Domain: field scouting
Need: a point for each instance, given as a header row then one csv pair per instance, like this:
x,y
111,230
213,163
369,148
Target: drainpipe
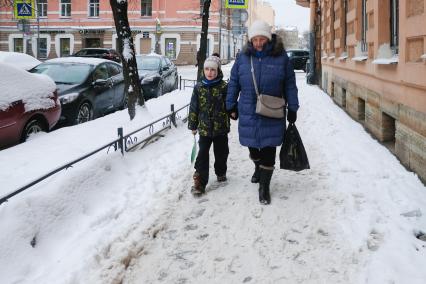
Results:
x,y
311,77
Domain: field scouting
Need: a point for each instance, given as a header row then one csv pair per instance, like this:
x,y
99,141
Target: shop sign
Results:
x,y
86,31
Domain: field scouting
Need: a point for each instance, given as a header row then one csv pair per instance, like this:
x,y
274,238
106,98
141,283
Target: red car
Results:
x,y
28,104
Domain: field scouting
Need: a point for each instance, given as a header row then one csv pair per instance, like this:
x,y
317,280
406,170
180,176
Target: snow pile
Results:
x,y
17,59
82,60
33,89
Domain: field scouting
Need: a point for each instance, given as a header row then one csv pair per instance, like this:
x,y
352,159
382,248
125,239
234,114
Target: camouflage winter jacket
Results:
x,y
207,112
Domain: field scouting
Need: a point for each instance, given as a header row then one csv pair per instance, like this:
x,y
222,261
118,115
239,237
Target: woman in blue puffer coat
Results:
x,y
275,77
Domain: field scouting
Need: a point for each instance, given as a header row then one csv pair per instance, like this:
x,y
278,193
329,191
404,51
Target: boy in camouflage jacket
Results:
x,y
208,116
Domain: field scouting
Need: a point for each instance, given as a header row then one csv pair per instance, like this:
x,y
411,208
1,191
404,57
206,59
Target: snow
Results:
x,y
20,60
83,60
360,58
352,218
127,51
392,60
33,89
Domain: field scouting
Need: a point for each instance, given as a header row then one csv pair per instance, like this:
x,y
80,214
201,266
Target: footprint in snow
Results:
x,y
374,240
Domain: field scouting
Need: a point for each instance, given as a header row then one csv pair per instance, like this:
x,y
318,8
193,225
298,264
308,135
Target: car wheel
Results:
x,y
33,126
84,113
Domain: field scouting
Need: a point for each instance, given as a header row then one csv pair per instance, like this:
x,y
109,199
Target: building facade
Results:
x,y
66,26
371,59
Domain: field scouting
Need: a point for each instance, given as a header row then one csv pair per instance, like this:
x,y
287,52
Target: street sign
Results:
x,y
24,9
236,4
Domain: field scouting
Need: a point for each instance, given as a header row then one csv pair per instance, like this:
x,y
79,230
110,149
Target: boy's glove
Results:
x,y
291,116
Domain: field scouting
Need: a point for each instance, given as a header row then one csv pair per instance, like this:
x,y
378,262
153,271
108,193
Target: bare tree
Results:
x,y
126,49
201,54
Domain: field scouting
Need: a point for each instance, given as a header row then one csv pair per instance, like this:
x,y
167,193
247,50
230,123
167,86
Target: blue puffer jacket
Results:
x,y
274,76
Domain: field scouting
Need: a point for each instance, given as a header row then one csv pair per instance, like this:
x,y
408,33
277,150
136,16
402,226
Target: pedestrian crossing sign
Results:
x,y
236,4
24,9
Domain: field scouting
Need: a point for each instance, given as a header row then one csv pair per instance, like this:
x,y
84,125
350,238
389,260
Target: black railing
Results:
x,y
124,143
183,83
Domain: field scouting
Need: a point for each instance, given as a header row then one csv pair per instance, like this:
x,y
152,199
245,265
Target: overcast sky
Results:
x,y
287,13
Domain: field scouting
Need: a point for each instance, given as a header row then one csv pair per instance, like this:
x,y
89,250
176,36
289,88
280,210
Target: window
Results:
x,y
18,45
113,70
65,8
92,42
94,8
100,73
64,44
364,26
394,25
42,8
171,48
146,7
42,45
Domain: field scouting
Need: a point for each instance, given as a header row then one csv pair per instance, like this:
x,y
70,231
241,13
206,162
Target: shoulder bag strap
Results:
x,y
254,78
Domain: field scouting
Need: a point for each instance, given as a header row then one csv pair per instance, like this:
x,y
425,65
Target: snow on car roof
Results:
x,y
85,60
18,59
149,54
33,89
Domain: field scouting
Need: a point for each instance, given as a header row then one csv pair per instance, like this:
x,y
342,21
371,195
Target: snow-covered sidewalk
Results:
x,y
352,218
339,222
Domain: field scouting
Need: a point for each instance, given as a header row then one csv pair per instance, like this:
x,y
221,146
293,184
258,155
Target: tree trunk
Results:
x,y
126,49
201,54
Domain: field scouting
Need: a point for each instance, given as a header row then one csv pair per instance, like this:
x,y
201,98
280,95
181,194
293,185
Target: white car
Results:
x,y
20,60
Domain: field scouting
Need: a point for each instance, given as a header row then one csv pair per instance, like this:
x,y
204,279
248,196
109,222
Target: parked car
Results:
x,y
157,73
18,59
298,57
87,87
105,53
28,104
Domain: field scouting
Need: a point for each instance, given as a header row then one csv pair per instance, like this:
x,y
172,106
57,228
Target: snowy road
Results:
x,y
352,218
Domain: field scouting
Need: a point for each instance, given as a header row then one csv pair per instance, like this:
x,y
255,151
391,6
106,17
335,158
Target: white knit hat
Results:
x,y
212,62
259,28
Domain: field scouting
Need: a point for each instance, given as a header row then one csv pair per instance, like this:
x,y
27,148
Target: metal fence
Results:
x,y
184,83
124,143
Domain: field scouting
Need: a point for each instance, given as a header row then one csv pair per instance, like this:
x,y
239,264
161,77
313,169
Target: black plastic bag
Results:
x,y
292,154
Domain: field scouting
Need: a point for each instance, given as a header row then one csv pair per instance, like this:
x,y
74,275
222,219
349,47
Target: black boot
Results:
x,y
255,177
265,181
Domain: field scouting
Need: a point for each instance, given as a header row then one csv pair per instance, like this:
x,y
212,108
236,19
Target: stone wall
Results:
x,y
403,129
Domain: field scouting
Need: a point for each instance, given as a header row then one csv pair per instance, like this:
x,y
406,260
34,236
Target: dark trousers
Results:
x,y
220,150
265,156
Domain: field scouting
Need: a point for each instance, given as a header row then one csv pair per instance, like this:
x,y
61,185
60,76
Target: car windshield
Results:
x,y
70,73
148,63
